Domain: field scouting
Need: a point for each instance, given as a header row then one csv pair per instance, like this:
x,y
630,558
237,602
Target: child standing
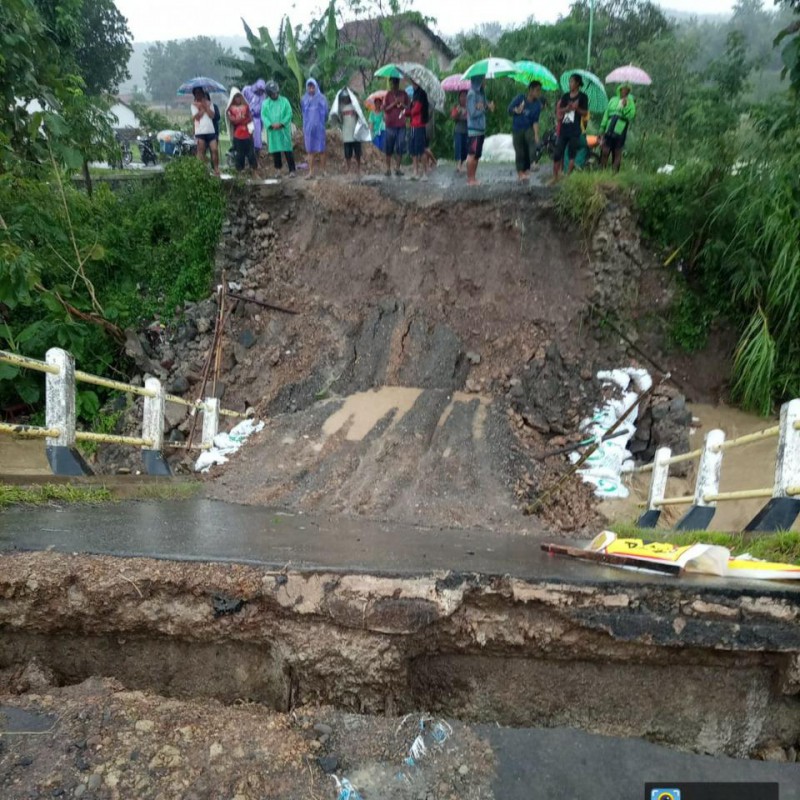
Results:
x,y
460,138
378,125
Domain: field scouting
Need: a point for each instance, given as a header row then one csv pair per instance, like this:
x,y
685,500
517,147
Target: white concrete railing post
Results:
x,y
62,455
658,483
60,398
153,429
210,421
787,462
153,415
709,469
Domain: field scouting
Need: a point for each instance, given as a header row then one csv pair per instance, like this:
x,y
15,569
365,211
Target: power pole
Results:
x,y
591,29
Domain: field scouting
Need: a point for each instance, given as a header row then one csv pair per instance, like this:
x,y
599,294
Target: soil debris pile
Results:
x,y
97,739
489,297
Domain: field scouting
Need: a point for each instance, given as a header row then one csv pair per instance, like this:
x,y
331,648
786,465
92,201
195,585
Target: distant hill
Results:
x,y
136,63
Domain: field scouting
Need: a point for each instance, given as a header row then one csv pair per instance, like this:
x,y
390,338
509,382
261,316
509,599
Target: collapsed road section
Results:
x,y
700,665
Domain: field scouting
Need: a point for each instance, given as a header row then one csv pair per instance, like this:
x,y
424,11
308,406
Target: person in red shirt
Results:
x,y
240,126
395,114
420,114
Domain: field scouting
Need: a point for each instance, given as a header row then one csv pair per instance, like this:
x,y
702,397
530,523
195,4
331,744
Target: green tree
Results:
x,y
264,58
168,64
324,56
789,41
93,35
105,47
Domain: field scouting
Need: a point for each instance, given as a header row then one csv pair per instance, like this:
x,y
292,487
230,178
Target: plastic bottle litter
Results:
x,y
436,734
346,789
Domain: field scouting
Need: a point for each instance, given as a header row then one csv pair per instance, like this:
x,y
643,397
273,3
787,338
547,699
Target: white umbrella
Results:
x,y
423,77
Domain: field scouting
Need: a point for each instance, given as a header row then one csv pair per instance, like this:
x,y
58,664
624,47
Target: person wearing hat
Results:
x,y
276,115
571,111
620,112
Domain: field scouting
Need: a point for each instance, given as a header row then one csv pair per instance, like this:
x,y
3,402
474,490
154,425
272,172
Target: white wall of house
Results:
x,y
123,117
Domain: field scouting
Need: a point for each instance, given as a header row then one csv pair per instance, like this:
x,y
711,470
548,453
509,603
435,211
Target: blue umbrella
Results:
x,y
209,84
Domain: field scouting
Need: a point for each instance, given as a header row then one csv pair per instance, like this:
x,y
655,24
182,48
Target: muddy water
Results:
x,y
362,411
22,457
749,467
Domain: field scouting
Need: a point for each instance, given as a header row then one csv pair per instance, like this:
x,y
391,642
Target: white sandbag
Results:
x,y
604,467
225,444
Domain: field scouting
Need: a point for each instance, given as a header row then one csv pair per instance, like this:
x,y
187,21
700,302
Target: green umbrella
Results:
x,y
592,85
490,68
528,71
389,71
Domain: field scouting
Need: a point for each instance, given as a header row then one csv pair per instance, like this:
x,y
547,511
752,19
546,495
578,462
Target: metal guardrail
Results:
x,y
781,510
60,430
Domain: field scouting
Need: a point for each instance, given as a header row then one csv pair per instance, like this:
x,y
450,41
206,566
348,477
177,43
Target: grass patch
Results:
x,y
52,492
783,546
11,495
183,490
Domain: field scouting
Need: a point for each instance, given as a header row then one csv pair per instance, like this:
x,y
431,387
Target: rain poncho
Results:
x,y
238,117
476,108
362,133
257,92
277,112
315,115
617,117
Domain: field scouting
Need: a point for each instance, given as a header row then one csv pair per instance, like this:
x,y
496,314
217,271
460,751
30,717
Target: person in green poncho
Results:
x,y
276,116
614,127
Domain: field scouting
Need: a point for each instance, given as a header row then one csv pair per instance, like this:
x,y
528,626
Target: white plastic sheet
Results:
x,y
498,148
225,444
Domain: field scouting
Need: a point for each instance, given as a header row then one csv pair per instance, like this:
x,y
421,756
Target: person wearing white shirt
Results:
x,y
204,115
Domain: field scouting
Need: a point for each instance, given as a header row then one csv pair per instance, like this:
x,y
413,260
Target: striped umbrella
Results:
x,y
490,68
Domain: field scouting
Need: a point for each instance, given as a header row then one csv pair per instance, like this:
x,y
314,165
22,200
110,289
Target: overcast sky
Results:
x,y
155,19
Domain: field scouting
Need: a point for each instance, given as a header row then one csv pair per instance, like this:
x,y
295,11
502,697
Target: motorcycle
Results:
x,y
587,158
147,149
124,156
183,145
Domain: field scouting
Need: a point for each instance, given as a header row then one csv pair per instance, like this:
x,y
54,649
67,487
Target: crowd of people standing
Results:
x,y
401,123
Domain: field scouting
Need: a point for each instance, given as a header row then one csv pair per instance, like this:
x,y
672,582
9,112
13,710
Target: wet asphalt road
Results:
x,y
208,530
565,764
